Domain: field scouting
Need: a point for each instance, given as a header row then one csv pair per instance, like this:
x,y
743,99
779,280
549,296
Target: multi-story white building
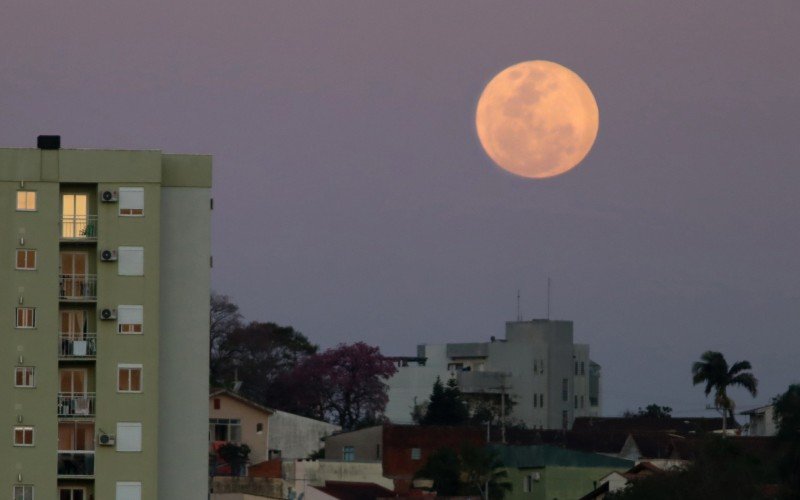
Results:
x,y
550,379
104,296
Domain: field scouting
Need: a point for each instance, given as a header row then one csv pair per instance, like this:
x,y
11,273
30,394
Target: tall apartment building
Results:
x,y
549,379
104,293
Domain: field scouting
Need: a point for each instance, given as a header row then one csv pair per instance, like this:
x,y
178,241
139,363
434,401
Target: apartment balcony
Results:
x,y
75,464
77,346
78,228
77,287
75,404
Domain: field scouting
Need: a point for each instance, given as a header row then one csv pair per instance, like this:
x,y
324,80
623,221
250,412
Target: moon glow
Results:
x,y
537,119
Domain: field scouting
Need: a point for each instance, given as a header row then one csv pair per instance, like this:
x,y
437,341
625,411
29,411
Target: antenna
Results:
x,y
548,298
519,315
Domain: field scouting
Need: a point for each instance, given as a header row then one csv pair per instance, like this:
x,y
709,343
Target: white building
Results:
x,y
550,379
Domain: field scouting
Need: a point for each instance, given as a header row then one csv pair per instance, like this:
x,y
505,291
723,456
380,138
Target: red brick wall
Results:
x,y
399,440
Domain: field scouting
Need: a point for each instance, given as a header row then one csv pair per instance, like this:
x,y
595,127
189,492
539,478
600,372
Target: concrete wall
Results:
x,y
366,444
297,437
302,473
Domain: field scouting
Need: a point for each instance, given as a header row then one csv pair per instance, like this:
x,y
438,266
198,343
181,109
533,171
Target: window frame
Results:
x,y
134,310
130,425
27,252
416,453
126,252
27,199
17,324
25,496
132,211
24,429
348,453
18,369
130,368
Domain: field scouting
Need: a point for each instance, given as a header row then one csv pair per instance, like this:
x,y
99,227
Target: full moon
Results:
x,y
537,119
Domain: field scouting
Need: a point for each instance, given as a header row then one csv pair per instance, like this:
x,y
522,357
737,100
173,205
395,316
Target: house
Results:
x,y
762,421
551,379
401,450
616,481
235,419
546,472
294,437
105,279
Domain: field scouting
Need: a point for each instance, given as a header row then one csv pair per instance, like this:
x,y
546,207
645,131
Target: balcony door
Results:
x,y
74,324
74,266
75,436
72,493
74,380
74,213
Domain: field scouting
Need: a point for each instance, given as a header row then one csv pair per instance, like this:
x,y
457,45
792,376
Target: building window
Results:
x,y
129,378
565,389
131,201
416,453
23,492
217,403
130,261
128,491
26,317
535,400
349,453
527,483
377,451
541,400
24,376
72,493
26,259
130,319
26,201
259,427
225,429
23,436
129,436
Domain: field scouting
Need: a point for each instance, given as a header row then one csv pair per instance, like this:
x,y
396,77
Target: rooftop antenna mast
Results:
x,y
548,298
519,315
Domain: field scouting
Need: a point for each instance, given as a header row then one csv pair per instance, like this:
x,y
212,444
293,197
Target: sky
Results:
x,y
353,200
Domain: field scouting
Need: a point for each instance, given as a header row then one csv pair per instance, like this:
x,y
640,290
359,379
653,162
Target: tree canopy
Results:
x,y
446,405
714,371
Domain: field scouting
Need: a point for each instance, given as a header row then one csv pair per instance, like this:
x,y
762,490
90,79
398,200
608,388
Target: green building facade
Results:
x,y
105,284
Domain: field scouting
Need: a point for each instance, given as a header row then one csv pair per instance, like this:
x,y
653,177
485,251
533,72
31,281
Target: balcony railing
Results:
x,y
78,227
76,404
77,345
80,287
76,463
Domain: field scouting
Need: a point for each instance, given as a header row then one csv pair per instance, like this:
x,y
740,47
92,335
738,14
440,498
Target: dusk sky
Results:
x,y
353,199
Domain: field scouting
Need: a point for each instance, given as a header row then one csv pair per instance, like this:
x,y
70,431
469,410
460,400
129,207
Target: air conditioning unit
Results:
x,y
106,439
108,314
109,196
108,255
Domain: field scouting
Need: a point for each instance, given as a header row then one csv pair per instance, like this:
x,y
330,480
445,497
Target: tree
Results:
x,y
225,319
713,370
259,355
446,405
466,472
655,411
721,469
787,417
345,385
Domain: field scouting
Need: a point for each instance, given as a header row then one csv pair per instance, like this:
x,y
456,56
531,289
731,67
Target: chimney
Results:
x,y
48,142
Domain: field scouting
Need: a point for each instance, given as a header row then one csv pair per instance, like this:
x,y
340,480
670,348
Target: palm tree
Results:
x,y
713,370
